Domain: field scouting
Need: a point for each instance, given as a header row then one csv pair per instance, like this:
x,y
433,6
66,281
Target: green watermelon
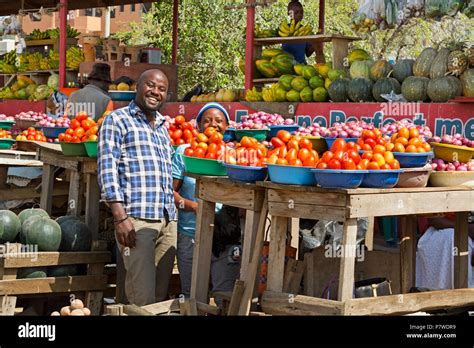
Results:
x,y
285,82
63,271
25,226
299,83
25,214
306,95
320,94
45,233
293,96
10,226
75,235
31,272
316,81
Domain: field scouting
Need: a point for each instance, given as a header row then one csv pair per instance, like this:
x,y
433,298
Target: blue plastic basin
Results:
x,y
330,141
288,127
291,175
246,173
381,178
412,159
229,135
337,178
53,132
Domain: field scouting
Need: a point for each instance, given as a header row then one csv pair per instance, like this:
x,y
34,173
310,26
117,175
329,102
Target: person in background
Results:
x,y
135,177
301,50
93,98
225,262
56,104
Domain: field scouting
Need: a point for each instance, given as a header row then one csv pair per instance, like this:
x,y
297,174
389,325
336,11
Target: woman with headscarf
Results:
x,y
225,263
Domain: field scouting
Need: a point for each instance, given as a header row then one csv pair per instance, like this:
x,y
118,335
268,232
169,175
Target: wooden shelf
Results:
x,y
50,42
266,80
303,39
35,72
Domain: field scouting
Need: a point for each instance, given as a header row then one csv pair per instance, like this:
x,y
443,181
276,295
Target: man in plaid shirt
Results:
x,y
135,177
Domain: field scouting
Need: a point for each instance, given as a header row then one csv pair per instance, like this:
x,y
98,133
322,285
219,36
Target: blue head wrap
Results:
x,y
212,106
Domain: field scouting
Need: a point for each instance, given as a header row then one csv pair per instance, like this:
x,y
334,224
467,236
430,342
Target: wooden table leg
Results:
x,y
407,253
369,236
74,205
340,48
276,257
47,183
252,219
202,250
461,251
295,234
347,266
92,204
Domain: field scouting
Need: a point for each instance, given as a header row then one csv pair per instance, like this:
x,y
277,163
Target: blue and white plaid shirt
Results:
x,y
134,164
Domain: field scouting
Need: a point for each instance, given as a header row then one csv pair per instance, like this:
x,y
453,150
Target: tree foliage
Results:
x,y
212,39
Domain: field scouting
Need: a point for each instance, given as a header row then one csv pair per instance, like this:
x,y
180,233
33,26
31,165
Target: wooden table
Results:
x,y
19,155
287,201
83,169
209,191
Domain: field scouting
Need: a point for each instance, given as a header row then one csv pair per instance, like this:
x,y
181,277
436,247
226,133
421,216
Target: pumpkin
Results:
x,y
45,233
357,55
293,96
306,94
283,64
63,271
439,67
25,227
360,90
299,83
360,68
320,94
316,81
467,81
31,272
285,81
422,65
75,235
380,69
457,85
385,85
266,68
441,90
25,214
403,69
338,90
415,89
10,226
308,71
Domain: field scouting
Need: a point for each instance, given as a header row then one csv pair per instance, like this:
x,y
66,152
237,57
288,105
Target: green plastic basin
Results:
x,y
74,149
204,166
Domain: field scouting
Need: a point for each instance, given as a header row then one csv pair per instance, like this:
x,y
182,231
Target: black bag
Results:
x,y
226,229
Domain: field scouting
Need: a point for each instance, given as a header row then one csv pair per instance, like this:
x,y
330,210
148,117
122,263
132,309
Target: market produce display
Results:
x,y
262,120
37,34
180,131
248,152
292,150
26,88
32,134
82,128
4,134
209,145
76,308
294,29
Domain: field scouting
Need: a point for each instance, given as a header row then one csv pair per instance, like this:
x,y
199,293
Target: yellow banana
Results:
x,y
292,26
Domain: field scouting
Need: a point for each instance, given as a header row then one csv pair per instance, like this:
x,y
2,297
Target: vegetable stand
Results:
x,y
83,169
346,206
209,191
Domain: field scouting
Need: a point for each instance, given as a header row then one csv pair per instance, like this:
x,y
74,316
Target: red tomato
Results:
x,y
282,161
180,142
172,128
179,120
67,138
282,151
216,137
86,124
351,145
75,124
303,154
276,142
334,164
366,147
396,164
339,144
203,146
305,144
293,144
310,162
61,136
79,132
339,155
272,159
368,155
188,151
212,156
322,165
209,131
364,163
295,162
327,156
284,135
348,164
385,166
373,166
186,126
177,134
187,135
291,155
195,132
199,152
371,142
368,134
354,155
202,138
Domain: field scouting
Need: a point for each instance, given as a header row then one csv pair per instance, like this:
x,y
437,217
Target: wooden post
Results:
x,y
369,236
63,10
461,251
47,182
249,44
276,257
295,234
252,219
237,294
3,177
346,270
74,205
174,52
202,250
407,253
92,204
340,48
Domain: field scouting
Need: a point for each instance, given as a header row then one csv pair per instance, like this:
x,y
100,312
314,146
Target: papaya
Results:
x,y
327,83
299,69
316,81
299,83
285,81
293,96
308,71
306,95
283,64
358,54
269,53
323,69
279,95
266,68
336,73
25,78
320,94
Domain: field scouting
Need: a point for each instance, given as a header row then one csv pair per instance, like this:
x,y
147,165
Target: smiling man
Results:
x,y
135,177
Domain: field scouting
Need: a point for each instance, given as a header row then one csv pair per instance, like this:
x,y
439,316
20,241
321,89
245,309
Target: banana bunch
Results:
x,y
252,95
74,57
267,94
7,68
53,57
34,60
261,33
10,58
39,35
71,32
45,64
294,29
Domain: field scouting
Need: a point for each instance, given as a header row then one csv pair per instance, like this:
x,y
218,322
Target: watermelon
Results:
x,y
415,89
316,81
360,68
360,90
423,63
320,94
299,83
385,85
25,214
10,226
63,271
403,69
45,233
338,90
25,226
75,235
31,272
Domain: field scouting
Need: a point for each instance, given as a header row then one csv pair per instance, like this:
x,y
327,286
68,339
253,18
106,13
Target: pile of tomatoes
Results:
x,y
82,128
209,144
406,140
292,150
248,152
4,134
31,134
181,132
346,156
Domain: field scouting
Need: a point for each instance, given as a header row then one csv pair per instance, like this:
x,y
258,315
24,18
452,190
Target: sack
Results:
x,y
226,229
